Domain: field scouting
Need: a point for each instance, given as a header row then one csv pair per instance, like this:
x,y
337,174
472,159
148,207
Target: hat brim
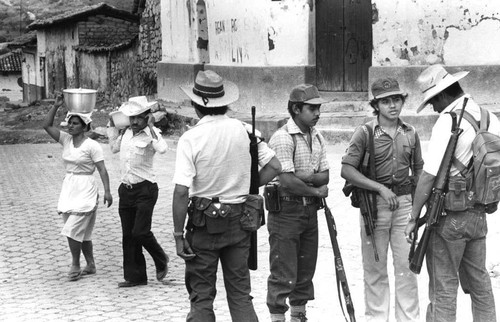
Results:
x,y
440,87
317,101
384,95
231,95
133,108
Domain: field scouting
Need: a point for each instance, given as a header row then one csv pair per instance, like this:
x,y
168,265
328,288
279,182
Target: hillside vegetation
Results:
x,y
15,15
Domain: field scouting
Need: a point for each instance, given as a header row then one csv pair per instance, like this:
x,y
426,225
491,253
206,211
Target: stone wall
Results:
x,y
149,47
97,30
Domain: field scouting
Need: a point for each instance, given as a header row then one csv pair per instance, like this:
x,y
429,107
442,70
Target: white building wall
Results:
x,y
240,33
451,32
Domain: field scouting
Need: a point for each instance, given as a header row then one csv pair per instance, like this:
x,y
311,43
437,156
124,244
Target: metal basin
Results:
x,y
80,100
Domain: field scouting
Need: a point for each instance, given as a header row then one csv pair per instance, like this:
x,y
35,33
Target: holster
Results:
x,y
272,197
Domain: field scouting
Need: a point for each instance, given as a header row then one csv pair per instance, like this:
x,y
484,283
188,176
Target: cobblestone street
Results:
x,y
34,257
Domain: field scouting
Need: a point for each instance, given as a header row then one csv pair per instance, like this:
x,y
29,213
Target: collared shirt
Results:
x,y
441,133
213,159
136,153
302,157
392,155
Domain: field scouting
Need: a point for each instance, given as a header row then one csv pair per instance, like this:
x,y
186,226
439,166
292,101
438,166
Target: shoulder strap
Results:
x,y
485,119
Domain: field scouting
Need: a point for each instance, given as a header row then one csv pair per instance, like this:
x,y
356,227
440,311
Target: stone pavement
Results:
x,y
34,257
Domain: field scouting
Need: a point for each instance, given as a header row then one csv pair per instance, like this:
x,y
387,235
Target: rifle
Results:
x,y
254,189
436,201
369,215
339,265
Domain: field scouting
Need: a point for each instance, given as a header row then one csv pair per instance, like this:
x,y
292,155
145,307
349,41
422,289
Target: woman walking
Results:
x,y
79,194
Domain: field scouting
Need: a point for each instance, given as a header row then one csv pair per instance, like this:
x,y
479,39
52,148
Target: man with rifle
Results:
x,y
292,221
455,236
212,183
383,157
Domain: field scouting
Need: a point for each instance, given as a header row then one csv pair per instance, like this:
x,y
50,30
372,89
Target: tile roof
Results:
x,y
11,62
23,40
82,13
106,48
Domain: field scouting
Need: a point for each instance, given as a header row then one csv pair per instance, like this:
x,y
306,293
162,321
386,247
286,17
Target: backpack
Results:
x,y
484,167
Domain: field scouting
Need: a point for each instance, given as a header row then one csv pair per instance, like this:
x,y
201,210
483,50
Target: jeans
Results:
x,y
136,211
231,248
293,239
389,230
457,251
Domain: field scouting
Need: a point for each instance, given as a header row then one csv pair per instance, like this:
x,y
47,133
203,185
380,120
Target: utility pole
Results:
x,y
20,17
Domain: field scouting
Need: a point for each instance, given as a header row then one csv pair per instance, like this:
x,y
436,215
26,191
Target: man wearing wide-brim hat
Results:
x,y
457,245
212,175
387,185
138,190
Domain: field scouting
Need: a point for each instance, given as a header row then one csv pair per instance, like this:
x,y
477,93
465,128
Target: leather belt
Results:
x,y
303,200
135,185
400,190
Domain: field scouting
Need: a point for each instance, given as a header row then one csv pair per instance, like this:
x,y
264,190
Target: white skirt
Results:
x,y
79,194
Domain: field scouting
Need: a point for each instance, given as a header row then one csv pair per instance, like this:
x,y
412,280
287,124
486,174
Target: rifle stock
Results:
x,y
368,218
436,202
339,265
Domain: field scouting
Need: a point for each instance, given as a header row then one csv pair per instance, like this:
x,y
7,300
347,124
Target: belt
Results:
x,y
303,200
135,185
400,190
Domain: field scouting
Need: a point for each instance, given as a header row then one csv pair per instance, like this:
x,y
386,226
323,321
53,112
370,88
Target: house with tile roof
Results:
x,y
10,75
89,47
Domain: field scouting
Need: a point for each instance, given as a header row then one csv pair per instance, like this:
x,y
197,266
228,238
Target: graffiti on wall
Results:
x,y
229,45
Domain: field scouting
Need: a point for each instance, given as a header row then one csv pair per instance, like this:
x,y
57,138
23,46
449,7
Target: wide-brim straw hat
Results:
x,y
211,90
434,79
131,108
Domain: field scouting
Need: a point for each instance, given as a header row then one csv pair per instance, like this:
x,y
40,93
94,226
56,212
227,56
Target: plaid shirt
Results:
x,y
301,157
136,153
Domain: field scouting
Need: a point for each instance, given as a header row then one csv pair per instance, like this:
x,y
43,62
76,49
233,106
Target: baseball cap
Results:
x,y
306,93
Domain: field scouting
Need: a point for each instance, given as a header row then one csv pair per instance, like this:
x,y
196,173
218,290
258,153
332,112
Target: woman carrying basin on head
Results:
x,y
79,194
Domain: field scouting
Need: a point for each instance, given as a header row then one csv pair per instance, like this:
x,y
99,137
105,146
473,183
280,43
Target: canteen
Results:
x,y
80,100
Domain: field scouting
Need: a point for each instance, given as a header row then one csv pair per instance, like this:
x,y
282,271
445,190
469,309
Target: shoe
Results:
x,y
131,284
160,275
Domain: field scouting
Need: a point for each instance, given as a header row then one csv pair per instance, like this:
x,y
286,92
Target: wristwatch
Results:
x,y
178,233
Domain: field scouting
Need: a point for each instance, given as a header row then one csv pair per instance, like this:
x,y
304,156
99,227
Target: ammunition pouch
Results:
x,y
204,212
350,190
457,197
253,213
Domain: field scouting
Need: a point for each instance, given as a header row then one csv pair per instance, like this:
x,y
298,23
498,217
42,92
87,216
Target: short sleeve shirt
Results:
x,y
441,133
392,155
81,159
301,157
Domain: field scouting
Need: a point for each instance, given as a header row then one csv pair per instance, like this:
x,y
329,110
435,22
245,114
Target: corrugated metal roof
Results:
x,y
81,13
11,62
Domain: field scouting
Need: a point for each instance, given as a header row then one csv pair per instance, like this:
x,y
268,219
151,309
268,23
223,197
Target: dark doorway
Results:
x,y
343,45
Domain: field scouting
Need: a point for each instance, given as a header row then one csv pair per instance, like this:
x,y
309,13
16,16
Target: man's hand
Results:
x,y
410,226
183,248
390,197
151,120
323,191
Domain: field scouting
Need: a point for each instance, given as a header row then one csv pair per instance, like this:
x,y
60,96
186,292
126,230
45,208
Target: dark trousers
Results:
x,y
231,249
136,211
293,239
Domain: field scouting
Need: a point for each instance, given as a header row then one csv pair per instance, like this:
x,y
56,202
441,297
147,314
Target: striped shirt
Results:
x,y
302,157
136,153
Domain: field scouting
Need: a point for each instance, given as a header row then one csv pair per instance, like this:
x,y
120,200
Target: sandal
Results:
x,y
88,271
74,276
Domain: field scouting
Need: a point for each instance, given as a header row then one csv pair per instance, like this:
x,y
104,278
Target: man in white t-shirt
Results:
x,y
457,246
212,176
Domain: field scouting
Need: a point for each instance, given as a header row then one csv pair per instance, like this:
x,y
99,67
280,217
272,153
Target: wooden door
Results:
x,y
343,45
